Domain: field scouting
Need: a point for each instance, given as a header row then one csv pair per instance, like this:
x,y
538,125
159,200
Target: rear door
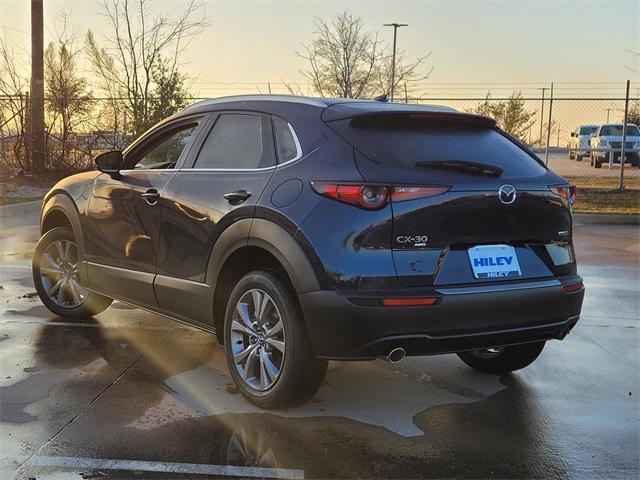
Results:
x,y
496,194
220,186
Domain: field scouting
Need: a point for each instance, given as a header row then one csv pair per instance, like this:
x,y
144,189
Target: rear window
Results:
x,y
616,131
401,142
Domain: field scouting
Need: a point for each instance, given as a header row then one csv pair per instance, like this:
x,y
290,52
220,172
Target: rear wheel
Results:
x,y
597,163
499,360
55,276
267,347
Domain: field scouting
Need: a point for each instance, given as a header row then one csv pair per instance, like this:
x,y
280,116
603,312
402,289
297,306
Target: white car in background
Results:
x,y
610,136
579,141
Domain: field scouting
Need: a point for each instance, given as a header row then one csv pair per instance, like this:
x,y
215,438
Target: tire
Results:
x,y
504,360
579,158
597,163
56,278
571,155
256,343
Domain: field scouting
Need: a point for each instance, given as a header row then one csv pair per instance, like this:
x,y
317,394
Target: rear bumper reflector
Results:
x,y
409,302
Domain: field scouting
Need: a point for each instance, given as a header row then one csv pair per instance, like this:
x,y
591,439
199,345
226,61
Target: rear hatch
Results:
x,y
498,219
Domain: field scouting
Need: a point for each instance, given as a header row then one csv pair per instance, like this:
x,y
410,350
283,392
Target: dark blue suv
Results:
x,y
301,230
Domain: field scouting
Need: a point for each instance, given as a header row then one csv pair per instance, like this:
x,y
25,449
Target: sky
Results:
x,y
475,45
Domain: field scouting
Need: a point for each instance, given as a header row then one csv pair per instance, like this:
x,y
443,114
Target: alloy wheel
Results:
x,y
257,340
59,269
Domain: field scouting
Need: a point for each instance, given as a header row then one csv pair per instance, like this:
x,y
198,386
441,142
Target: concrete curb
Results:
x,y
601,219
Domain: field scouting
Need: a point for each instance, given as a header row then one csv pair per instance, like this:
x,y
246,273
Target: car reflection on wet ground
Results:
x,y
129,394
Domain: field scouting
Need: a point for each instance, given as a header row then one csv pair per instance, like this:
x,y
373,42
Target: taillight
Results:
x,y
567,192
369,197
400,194
373,197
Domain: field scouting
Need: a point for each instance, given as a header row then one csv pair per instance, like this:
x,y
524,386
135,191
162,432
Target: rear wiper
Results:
x,y
473,167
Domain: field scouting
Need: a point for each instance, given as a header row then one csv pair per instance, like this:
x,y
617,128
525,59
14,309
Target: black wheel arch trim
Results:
x,y
61,201
273,238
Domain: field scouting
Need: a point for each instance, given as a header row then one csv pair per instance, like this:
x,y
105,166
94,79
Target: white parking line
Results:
x,y
145,466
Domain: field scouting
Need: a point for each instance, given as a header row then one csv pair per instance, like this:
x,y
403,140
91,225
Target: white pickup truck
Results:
x,y
608,138
579,141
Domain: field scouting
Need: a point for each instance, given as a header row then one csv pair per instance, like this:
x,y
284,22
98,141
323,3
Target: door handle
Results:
x,y
151,196
237,197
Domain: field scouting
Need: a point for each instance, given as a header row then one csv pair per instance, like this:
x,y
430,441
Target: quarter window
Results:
x,y
285,141
237,141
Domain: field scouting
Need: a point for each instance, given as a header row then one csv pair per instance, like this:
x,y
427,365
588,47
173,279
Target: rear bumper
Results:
x,y
354,326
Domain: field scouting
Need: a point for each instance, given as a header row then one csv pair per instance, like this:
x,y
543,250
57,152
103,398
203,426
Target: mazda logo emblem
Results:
x,y
507,194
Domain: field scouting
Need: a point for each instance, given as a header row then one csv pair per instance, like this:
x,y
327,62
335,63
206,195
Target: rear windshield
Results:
x,y
587,130
405,143
616,130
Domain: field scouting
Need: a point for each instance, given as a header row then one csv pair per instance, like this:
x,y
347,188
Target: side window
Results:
x,y
286,144
166,153
237,141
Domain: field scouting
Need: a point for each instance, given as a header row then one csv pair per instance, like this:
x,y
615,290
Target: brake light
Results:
x,y
569,193
400,194
573,287
373,197
369,197
409,302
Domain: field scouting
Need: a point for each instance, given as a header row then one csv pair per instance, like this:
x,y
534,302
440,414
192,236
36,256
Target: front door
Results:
x,y
123,217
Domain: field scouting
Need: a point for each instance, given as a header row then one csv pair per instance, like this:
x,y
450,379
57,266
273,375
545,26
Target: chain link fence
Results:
x,y
106,128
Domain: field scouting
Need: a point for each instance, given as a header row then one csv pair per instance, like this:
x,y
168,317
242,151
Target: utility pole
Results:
x,y
393,61
608,110
544,89
37,88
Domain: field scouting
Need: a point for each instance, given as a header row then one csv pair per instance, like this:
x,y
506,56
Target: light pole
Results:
x,y
544,89
393,61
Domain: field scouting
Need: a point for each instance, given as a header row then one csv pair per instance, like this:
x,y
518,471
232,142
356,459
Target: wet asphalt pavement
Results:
x,y
133,395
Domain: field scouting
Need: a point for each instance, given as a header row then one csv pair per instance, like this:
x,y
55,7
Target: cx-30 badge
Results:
x,y
507,194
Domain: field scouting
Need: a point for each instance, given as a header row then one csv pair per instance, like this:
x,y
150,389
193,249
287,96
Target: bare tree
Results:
x,y
347,61
511,114
140,45
68,99
14,110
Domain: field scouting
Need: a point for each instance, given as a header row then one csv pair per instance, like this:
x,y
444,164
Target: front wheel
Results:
x,y
500,360
267,346
55,276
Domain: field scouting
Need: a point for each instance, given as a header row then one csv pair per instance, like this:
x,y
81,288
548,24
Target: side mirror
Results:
x,y
110,162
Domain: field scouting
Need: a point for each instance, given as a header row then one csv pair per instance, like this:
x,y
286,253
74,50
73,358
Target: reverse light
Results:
x,y
409,302
373,197
573,287
567,192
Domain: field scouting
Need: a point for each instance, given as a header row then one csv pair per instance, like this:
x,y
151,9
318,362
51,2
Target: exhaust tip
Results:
x,y
396,355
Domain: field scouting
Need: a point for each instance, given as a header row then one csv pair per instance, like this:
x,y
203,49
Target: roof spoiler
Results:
x,y
389,111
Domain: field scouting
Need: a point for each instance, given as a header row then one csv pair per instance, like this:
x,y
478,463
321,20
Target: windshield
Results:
x,y
418,143
588,130
616,131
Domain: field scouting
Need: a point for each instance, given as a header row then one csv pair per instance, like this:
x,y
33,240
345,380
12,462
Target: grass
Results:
x,y
594,200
